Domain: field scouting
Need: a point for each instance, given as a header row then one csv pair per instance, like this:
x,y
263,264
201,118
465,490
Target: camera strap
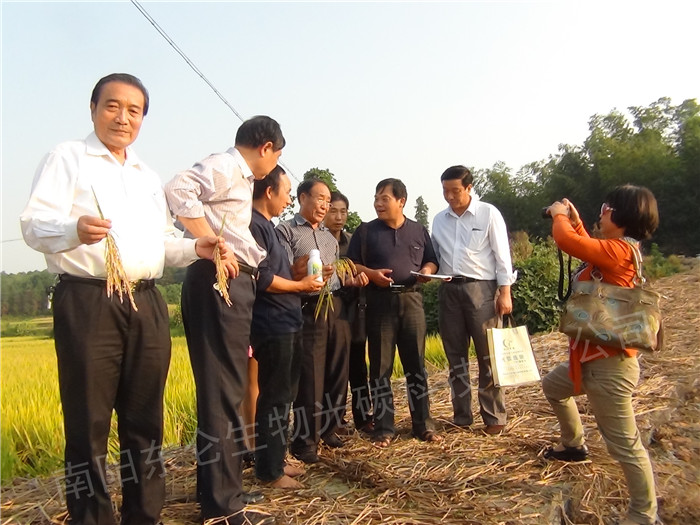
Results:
x,y
563,296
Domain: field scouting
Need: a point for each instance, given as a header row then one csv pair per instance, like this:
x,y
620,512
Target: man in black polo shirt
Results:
x,y
274,333
395,246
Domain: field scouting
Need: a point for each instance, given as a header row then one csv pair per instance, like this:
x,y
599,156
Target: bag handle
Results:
x,y
639,279
563,295
505,321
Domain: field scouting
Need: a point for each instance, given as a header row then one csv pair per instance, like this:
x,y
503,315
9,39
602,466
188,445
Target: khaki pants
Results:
x,y
609,384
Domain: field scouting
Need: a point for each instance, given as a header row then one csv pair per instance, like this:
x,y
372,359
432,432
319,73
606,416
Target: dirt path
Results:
x,y
470,478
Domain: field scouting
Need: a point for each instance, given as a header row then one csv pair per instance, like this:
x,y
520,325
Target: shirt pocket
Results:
x,y
415,254
478,240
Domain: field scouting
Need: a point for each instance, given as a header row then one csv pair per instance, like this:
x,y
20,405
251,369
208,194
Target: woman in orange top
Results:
x,y
606,375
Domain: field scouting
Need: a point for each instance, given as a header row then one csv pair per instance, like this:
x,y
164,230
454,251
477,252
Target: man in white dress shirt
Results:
x,y
471,243
216,194
110,356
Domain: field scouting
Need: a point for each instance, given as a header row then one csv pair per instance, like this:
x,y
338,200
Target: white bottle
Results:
x,y
315,266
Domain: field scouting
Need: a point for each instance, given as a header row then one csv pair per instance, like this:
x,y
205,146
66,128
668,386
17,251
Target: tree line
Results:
x,y
657,146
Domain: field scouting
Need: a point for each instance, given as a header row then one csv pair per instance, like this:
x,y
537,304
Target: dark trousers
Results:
x,y
465,311
397,320
359,386
323,381
279,363
112,358
218,337
357,357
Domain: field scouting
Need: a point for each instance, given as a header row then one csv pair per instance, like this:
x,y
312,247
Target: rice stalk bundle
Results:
x,y
344,267
117,280
221,273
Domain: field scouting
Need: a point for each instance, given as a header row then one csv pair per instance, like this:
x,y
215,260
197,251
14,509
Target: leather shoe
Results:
x,y
494,430
332,440
307,456
568,454
251,497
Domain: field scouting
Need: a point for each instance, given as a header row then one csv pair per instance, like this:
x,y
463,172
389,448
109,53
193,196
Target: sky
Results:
x,y
367,90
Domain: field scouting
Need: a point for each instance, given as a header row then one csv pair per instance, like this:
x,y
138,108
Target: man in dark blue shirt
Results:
x,y
395,246
275,333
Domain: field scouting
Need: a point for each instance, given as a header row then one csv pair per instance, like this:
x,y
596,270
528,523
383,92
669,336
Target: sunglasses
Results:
x,y
604,207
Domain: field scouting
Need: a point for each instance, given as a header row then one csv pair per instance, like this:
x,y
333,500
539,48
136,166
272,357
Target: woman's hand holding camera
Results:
x,y
565,207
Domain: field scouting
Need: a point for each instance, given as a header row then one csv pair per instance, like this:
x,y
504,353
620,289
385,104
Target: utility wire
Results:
x,y
195,68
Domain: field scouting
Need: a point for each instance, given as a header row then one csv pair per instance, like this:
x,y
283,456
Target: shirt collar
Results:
x,y
247,172
94,146
473,205
300,221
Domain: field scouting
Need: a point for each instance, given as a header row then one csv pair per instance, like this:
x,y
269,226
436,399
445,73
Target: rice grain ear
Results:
x,y
221,274
344,267
117,280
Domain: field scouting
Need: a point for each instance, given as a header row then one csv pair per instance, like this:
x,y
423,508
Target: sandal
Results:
x,y
568,454
429,436
382,440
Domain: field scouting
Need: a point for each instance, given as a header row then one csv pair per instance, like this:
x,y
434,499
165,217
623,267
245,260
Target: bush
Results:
x,y
430,305
171,292
535,301
177,328
656,265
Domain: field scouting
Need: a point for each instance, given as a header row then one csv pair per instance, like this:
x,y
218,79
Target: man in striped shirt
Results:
x,y
216,195
320,401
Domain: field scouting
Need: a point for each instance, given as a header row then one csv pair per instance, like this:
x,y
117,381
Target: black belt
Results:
x,y
312,299
135,286
344,293
400,288
457,279
250,270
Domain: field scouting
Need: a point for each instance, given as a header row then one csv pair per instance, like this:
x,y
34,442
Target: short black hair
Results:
x,y
271,180
337,196
634,209
307,185
258,131
398,188
458,172
124,78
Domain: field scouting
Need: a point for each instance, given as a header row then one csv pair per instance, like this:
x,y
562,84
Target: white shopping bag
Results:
x,y
512,361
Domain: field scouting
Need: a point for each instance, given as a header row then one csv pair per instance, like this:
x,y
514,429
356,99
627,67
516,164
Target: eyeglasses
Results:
x,y
605,207
321,201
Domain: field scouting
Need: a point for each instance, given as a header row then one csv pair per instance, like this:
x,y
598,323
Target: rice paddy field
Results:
x,y
32,426
467,479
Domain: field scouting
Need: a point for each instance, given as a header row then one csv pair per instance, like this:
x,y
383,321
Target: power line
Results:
x,y
195,68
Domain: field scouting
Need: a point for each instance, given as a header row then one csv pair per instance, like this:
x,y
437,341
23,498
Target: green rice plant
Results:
x,y
344,268
434,354
180,406
31,429
32,419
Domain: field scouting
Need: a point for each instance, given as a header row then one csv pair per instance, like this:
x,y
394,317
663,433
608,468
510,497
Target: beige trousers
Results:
x,y
609,384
